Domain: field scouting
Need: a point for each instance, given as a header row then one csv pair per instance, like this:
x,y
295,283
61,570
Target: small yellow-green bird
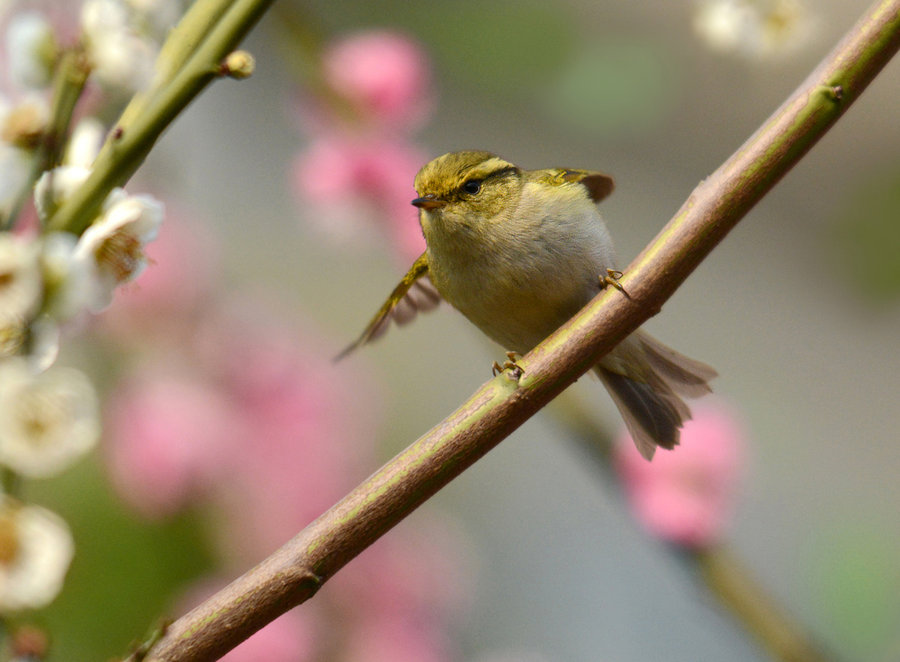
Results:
x,y
519,252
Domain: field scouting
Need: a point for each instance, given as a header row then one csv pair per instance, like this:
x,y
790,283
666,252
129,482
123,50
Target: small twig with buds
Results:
x,y
190,59
71,75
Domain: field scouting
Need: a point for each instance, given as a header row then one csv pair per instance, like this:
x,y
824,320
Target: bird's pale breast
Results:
x,y
531,272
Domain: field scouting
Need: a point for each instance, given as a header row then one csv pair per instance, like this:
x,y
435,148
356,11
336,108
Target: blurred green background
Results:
x,y
798,309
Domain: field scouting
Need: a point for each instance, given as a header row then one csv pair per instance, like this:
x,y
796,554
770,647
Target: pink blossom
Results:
x,y
167,435
286,639
385,638
414,572
351,179
685,496
383,75
357,176
311,426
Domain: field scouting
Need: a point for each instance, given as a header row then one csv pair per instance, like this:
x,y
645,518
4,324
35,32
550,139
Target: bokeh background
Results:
x,y
798,309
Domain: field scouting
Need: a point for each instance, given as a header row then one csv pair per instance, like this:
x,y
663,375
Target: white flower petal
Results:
x,y
159,15
66,279
36,548
85,143
24,123
123,61
43,343
15,165
100,17
121,55
722,23
113,246
30,45
21,284
753,28
48,420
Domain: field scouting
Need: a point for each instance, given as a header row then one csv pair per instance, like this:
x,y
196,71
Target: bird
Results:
x,y
519,252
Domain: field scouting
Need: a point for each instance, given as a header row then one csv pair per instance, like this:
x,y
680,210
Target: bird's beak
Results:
x,y
428,202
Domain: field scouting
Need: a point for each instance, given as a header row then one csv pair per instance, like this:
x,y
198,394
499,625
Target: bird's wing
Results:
x,y
598,185
414,294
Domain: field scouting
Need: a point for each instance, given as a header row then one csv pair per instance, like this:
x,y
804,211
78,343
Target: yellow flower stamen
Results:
x,y
9,536
122,254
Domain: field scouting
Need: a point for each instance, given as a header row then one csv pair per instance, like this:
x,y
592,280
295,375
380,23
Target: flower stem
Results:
x,y
71,75
204,43
735,587
295,572
184,38
68,83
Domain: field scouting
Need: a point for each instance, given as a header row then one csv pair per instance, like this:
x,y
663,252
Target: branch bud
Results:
x,y
238,65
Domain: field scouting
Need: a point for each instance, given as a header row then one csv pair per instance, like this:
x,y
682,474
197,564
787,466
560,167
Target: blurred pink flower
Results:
x,y
385,638
286,639
384,75
350,179
685,496
311,426
417,572
167,436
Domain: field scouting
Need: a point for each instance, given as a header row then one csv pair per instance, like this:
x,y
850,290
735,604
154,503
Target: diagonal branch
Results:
x,y
296,571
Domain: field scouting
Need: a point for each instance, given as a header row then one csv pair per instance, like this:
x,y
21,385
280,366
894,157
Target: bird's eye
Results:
x,y
472,186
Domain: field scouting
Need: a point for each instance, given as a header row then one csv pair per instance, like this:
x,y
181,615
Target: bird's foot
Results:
x,y
612,278
510,364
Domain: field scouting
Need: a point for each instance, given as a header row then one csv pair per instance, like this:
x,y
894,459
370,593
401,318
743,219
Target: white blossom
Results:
x,y
121,56
43,343
753,28
66,279
48,419
20,278
112,248
21,125
157,15
31,48
21,292
36,548
23,121
15,165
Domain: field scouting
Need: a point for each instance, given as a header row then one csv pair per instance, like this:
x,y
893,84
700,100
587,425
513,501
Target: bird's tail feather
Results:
x,y
684,375
650,398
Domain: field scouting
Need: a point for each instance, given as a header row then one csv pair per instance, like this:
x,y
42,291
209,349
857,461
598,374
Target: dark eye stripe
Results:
x,y
473,186
503,172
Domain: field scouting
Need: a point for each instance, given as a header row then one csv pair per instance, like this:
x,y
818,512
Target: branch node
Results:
x,y
834,92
